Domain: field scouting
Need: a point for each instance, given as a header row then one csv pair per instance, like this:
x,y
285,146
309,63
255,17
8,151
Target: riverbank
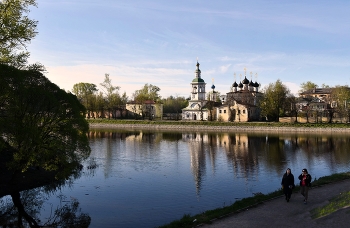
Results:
x,y
279,213
272,210
261,127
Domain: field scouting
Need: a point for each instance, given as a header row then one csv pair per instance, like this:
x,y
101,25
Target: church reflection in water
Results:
x,y
247,152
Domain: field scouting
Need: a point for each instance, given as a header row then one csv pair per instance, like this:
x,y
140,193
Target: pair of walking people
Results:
x,y
288,184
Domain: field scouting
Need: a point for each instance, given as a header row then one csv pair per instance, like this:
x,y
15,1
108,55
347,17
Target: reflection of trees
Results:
x,y
241,152
246,152
24,211
22,205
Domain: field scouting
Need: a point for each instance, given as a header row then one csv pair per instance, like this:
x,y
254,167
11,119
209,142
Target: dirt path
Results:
x,y
279,213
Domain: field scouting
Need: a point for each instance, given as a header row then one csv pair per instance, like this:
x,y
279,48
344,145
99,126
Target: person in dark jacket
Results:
x,y
288,183
305,183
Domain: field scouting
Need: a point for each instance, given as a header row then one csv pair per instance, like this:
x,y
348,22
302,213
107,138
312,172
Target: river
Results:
x,y
147,178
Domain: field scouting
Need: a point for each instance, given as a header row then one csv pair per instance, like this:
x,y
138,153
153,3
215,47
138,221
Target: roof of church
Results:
x,y
198,80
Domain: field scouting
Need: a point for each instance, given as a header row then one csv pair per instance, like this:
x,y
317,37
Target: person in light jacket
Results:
x,y
288,183
305,183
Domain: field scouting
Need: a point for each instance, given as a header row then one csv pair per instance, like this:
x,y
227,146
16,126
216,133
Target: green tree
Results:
x,y
147,92
341,96
86,95
16,31
174,105
305,86
113,99
273,103
40,124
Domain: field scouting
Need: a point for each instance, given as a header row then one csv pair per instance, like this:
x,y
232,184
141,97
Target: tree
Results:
x,y
16,31
341,96
273,103
149,92
41,124
174,104
113,99
305,86
85,93
294,110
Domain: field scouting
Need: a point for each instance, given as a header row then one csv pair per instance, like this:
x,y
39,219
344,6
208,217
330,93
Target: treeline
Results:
x,y
109,98
278,102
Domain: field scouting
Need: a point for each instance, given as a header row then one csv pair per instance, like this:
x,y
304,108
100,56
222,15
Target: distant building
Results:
x,y
146,110
200,108
319,95
322,93
238,105
241,104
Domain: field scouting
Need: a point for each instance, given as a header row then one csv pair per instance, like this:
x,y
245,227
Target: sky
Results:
x,y
158,42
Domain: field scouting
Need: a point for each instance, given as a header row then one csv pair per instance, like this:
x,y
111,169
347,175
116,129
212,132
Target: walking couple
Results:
x,y
288,184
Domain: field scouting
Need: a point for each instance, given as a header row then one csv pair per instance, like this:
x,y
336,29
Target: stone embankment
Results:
x,y
242,128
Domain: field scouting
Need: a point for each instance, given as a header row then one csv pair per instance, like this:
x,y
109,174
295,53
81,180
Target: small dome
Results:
x,y
213,86
240,85
245,80
235,84
251,83
256,84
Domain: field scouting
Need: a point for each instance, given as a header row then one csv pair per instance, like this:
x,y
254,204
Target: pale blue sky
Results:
x,y
158,42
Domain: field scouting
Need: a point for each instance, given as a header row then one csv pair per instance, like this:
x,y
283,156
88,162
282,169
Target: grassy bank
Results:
x,y
215,123
246,203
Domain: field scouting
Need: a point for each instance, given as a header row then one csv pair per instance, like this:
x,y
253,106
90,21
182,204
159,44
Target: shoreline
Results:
x,y
252,129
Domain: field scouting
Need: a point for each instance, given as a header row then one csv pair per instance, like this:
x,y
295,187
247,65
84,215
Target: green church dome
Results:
x,y
197,80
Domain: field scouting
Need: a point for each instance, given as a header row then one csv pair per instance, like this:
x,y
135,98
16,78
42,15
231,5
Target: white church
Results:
x,y
238,105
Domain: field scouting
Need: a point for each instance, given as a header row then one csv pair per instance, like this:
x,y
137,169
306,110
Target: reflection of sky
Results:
x,y
153,179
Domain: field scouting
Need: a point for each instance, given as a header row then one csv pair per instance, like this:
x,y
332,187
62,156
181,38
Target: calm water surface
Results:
x,y
150,178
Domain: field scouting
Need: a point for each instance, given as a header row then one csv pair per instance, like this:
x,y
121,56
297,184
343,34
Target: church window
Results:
x,y
224,111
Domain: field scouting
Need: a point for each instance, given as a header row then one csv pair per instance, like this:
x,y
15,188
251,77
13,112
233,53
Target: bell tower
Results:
x,y
198,86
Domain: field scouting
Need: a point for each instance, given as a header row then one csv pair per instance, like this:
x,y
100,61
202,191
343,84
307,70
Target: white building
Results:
x,y
196,106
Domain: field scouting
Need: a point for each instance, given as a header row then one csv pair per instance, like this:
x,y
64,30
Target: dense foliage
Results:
x,y
16,30
43,125
273,104
174,104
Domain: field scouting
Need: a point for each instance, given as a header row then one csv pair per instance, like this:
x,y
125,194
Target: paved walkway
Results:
x,y
279,213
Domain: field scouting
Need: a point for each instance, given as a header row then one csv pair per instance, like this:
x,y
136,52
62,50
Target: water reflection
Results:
x,y
26,208
146,178
247,154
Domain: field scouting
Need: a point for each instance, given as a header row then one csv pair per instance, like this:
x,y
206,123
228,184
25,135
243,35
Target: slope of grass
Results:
x,y
335,204
215,123
188,221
